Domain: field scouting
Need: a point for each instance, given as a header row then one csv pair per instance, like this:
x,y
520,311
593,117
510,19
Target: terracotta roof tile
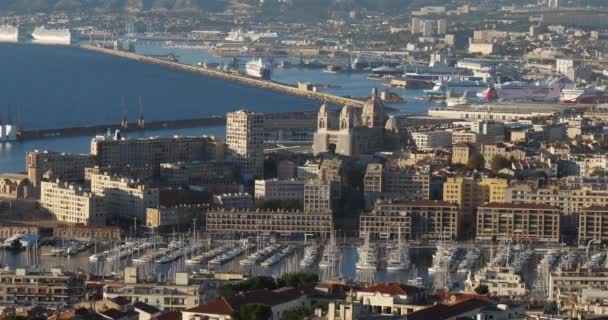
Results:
x,y
219,306
392,289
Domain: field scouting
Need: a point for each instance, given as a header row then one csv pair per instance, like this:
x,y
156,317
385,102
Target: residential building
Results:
x,y
432,139
417,219
71,203
309,170
119,152
211,175
279,300
279,190
66,167
269,222
568,283
52,290
8,230
354,131
518,222
390,298
462,152
245,142
483,113
178,295
124,199
593,224
395,183
500,281
331,170
470,192
489,151
570,199
321,196
175,217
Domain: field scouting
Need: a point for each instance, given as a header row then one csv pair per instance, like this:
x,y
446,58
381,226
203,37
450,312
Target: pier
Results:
x,y
236,77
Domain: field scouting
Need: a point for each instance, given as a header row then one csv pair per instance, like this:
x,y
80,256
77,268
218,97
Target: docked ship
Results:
x,y
456,87
588,95
43,35
527,91
9,33
258,69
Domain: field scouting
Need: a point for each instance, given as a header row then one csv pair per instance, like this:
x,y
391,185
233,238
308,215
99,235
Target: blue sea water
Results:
x,y
57,87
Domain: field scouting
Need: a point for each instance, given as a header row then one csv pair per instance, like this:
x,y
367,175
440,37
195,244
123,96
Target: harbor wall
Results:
x,y
240,78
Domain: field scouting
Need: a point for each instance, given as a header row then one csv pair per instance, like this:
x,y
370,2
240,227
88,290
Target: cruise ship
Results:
x,y
258,69
527,91
588,95
457,87
9,33
52,36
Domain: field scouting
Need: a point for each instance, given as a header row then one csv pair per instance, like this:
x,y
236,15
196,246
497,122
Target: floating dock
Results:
x,y
240,78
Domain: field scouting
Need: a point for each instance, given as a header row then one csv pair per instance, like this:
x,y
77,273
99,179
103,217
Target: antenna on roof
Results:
x,y
124,124
140,122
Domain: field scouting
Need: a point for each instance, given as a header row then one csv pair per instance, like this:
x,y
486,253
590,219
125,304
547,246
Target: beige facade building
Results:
x,y
462,152
489,151
172,218
117,152
430,140
518,222
214,175
245,142
71,203
66,167
268,222
321,196
124,199
469,193
418,219
571,201
501,282
593,224
87,233
565,284
11,229
279,190
396,183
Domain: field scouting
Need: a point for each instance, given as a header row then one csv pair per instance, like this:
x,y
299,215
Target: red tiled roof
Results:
x,y
169,315
442,311
392,289
219,306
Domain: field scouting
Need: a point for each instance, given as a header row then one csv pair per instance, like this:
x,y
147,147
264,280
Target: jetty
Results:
x,y
229,76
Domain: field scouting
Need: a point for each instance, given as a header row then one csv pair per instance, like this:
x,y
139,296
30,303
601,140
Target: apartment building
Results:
x,y
66,167
432,139
71,203
210,174
416,219
593,224
117,152
279,190
570,199
567,283
518,222
239,200
462,152
489,151
321,196
500,281
175,217
269,222
53,290
245,142
397,183
178,295
125,199
470,192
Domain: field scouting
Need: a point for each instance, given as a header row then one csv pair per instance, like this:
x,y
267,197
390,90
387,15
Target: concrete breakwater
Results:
x,y
249,81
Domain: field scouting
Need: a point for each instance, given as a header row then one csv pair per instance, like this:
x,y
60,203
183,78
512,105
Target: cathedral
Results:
x,y
353,131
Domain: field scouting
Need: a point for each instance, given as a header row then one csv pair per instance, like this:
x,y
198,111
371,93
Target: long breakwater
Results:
x,y
240,78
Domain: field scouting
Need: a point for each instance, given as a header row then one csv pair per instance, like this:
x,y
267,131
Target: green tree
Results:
x,y
300,280
254,283
296,314
475,162
482,289
253,311
499,162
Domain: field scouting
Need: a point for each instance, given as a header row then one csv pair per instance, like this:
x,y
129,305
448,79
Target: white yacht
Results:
x,y
367,256
398,256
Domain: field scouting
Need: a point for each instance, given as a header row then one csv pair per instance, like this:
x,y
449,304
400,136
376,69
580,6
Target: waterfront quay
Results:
x,y
264,84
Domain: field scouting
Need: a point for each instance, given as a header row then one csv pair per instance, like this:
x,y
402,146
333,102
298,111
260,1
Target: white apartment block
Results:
x,y
124,198
245,141
70,203
432,139
278,190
